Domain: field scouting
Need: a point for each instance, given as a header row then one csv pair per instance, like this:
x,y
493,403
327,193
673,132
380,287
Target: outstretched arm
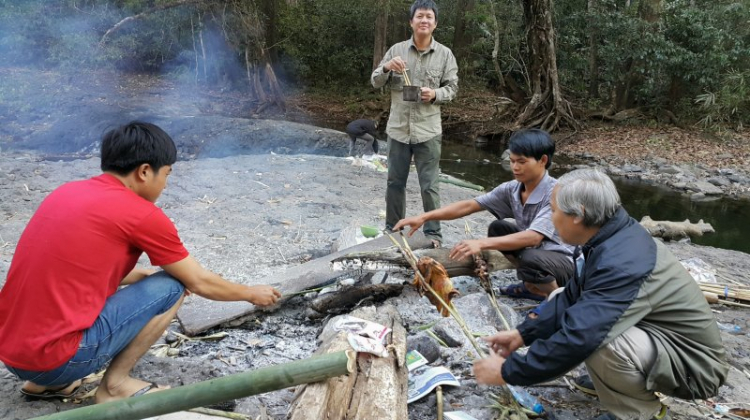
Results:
x,y
212,286
449,212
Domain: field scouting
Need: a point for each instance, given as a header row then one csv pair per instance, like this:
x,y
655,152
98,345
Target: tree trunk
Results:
x,y
650,11
593,51
461,39
268,7
546,109
508,87
381,33
378,389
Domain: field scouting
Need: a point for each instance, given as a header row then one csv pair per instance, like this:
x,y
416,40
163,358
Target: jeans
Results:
x,y
124,315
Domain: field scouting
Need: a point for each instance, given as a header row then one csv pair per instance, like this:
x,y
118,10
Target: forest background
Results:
x,y
522,63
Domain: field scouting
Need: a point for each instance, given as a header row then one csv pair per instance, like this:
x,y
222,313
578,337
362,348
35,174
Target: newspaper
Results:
x,y
414,359
362,327
364,335
458,415
424,379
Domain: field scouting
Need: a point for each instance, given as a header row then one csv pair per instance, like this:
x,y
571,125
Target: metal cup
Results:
x,y
411,94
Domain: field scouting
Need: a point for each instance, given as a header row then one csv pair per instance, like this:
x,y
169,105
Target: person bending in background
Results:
x,y
414,128
364,129
63,314
531,242
632,313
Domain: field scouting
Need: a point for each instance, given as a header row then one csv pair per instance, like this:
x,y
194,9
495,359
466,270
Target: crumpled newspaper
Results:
x,y
701,271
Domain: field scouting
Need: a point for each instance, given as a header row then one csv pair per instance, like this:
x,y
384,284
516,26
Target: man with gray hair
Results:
x,y
631,312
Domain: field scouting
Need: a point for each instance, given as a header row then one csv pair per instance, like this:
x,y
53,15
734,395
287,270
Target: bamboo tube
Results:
x,y
213,391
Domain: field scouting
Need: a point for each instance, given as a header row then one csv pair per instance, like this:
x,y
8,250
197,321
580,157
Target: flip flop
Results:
x,y
518,290
146,389
51,393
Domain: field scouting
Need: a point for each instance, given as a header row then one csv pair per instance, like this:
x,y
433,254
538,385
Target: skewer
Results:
x,y
407,81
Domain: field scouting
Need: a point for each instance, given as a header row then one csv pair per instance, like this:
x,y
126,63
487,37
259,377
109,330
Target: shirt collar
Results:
x,y
539,192
432,44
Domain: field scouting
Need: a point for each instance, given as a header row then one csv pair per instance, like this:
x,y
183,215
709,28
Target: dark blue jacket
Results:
x,y
629,279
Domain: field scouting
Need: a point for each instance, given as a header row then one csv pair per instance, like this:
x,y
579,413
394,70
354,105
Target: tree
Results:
x,y
381,32
461,38
546,108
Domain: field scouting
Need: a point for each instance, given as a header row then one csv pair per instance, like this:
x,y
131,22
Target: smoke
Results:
x,y
62,89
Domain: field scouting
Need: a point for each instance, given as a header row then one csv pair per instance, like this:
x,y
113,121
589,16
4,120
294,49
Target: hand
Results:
x,y
428,94
488,370
414,223
465,248
263,295
396,64
505,342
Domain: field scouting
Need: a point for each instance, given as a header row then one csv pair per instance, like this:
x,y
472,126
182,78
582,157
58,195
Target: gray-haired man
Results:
x,y
632,313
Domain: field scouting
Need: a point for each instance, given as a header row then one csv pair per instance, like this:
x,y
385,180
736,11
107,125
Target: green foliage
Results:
x,y
730,104
329,42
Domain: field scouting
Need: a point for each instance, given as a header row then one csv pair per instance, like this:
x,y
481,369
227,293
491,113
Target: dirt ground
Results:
x,y
247,216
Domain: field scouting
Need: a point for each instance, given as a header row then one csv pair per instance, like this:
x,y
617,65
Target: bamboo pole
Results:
x,y
239,385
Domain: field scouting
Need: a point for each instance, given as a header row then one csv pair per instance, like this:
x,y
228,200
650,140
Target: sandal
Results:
x,y
52,393
518,290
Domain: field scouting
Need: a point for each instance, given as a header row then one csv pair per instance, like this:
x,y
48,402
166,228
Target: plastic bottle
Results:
x,y
525,399
730,328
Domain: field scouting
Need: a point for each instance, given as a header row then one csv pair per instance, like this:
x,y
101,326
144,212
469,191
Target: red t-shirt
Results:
x,y
83,240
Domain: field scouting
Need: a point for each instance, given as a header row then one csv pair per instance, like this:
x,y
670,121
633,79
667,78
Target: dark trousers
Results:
x,y
534,265
427,160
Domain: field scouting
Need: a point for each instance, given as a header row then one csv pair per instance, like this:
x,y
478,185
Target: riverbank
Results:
x,y
248,216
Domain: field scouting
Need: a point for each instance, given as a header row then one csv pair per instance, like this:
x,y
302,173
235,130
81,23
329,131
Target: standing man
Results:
x,y
364,129
63,314
632,313
414,128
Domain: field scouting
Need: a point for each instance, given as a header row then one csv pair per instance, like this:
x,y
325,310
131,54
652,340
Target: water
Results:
x,y
730,218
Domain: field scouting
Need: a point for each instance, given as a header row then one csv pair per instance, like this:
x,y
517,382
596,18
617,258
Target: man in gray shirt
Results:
x,y
414,128
543,261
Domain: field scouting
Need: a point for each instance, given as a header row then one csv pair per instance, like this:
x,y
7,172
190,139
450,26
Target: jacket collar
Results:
x,y
619,220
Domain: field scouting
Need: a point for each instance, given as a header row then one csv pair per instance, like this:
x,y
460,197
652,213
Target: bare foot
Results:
x,y
31,389
127,388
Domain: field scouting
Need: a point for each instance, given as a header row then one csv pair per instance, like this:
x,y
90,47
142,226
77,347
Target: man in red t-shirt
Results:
x,y
63,314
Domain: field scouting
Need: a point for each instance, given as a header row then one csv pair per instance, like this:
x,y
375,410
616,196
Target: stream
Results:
x,y
730,218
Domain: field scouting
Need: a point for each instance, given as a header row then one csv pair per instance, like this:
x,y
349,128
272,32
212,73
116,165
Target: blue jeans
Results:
x,y
124,315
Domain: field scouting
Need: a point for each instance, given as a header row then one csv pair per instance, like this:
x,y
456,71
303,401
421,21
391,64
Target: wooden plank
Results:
x,y
198,314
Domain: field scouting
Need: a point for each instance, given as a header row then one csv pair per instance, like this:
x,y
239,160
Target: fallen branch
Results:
x,y
675,230
145,13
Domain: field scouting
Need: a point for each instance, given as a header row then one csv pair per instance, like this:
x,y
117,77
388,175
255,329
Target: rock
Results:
x,y
448,331
670,169
719,181
704,187
426,345
742,180
631,168
678,185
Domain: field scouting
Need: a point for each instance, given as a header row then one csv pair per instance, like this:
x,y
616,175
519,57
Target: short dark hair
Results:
x,y
424,4
126,147
532,142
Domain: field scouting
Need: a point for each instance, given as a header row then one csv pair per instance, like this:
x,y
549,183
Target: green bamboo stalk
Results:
x,y
239,385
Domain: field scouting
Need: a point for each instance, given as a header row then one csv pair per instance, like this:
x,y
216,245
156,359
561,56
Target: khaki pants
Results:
x,y
619,370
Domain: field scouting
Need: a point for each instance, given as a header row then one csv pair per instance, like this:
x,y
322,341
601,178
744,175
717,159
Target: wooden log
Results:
x,y
217,390
377,391
345,300
495,260
675,230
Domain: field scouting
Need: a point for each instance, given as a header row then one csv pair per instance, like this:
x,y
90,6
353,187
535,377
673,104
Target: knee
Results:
x,y
161,284
501,228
